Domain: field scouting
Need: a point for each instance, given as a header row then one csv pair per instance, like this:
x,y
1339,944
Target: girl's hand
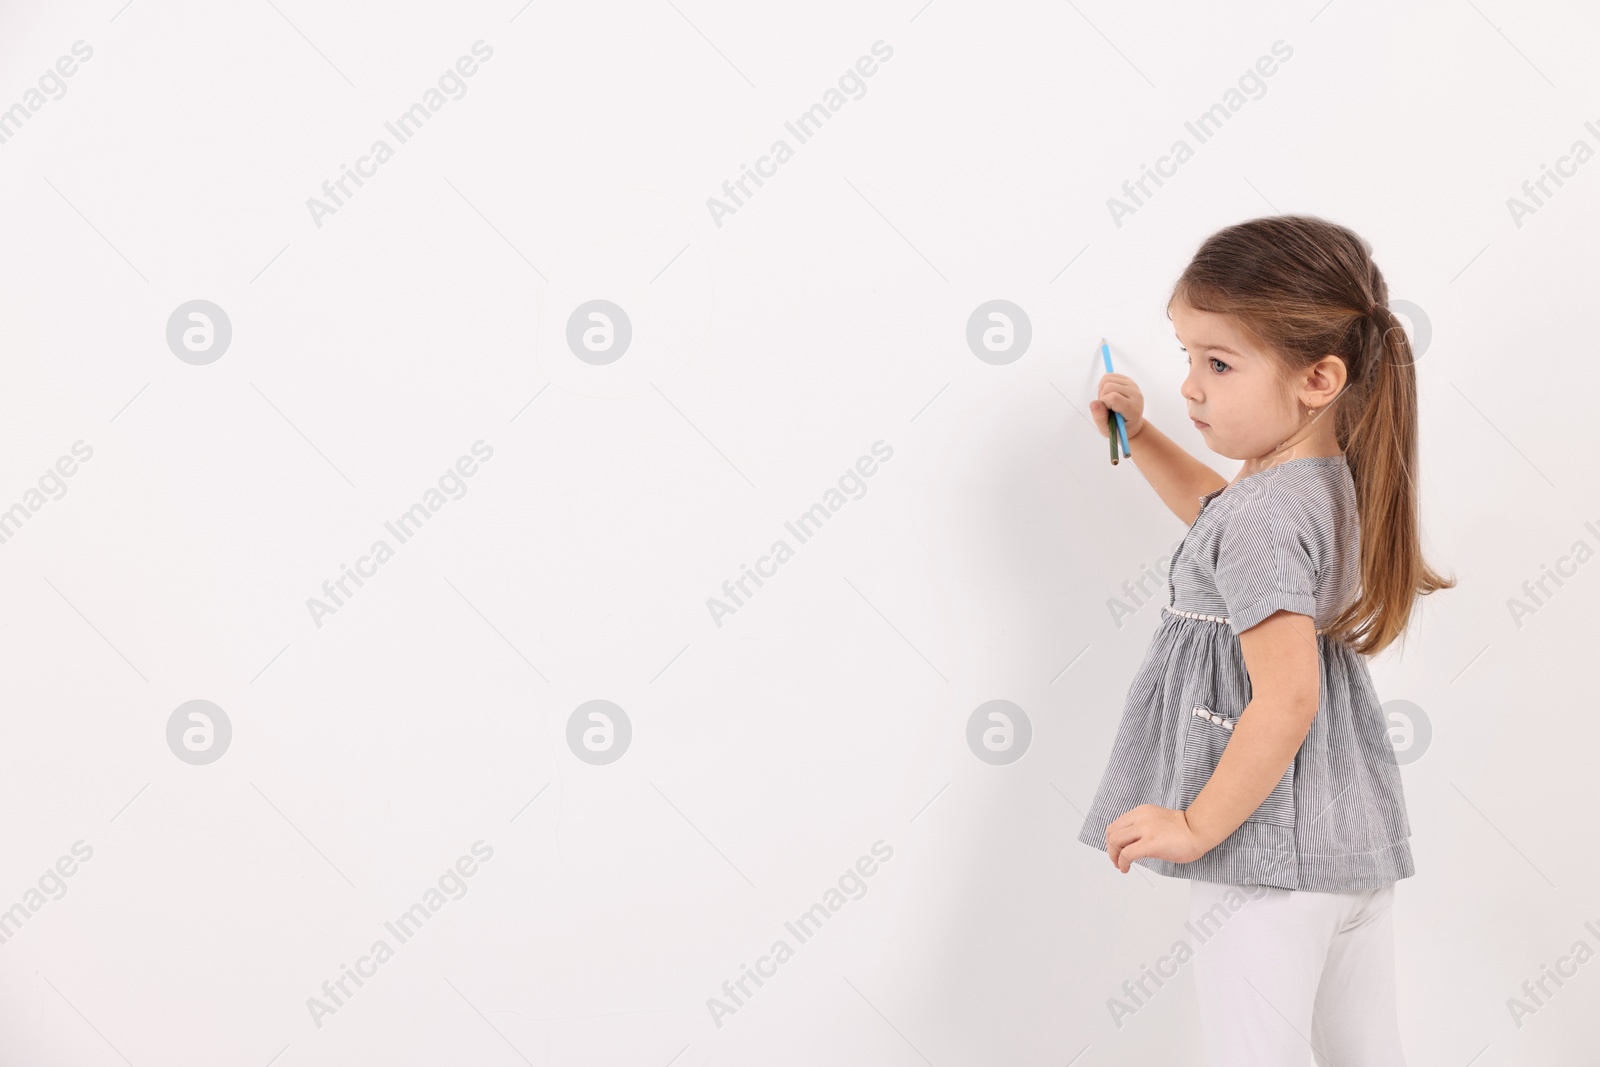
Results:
x,y
1149,830
1118,393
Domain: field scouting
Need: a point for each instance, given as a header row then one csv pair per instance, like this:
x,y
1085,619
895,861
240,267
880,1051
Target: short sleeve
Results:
x,y
1266,561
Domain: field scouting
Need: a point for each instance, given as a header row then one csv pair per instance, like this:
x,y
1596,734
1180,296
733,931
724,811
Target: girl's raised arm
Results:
x,y
1177,477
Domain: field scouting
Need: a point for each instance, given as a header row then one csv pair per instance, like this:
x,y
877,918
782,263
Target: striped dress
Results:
x,y
1284,538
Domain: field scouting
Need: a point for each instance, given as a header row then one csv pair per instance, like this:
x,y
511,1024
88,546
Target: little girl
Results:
x,y
1253,755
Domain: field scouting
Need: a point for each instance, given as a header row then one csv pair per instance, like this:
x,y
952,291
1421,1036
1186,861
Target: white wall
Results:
x,y
373,346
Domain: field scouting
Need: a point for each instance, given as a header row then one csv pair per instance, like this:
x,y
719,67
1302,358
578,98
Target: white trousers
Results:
x,y
1286,973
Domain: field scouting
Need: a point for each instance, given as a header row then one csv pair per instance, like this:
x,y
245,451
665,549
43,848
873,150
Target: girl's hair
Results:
x,y
1303,288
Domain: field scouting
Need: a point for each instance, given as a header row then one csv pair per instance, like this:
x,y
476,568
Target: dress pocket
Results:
x,y
1203,742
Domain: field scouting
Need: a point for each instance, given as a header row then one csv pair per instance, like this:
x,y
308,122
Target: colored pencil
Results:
x,y
1122,424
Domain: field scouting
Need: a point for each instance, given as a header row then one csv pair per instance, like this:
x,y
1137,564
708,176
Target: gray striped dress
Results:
x,y
1284,538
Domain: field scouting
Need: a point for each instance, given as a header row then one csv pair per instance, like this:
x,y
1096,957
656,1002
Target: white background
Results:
x,y
829,712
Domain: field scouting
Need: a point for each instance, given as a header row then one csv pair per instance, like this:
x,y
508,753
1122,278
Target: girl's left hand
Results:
x,y
1150,830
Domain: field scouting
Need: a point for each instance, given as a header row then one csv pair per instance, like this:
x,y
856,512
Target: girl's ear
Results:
x,y
1325,379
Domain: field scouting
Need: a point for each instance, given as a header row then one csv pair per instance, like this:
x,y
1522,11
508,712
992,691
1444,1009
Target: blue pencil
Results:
x,y
1122,425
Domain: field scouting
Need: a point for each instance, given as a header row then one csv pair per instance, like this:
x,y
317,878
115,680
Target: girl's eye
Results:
x,y
1213,359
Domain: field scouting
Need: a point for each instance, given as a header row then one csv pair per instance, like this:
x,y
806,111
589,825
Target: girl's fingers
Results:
x,y
1123,401
1122,845
1118,841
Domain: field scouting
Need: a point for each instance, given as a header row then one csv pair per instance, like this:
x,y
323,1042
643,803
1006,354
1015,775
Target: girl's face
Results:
x,y
1232,390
